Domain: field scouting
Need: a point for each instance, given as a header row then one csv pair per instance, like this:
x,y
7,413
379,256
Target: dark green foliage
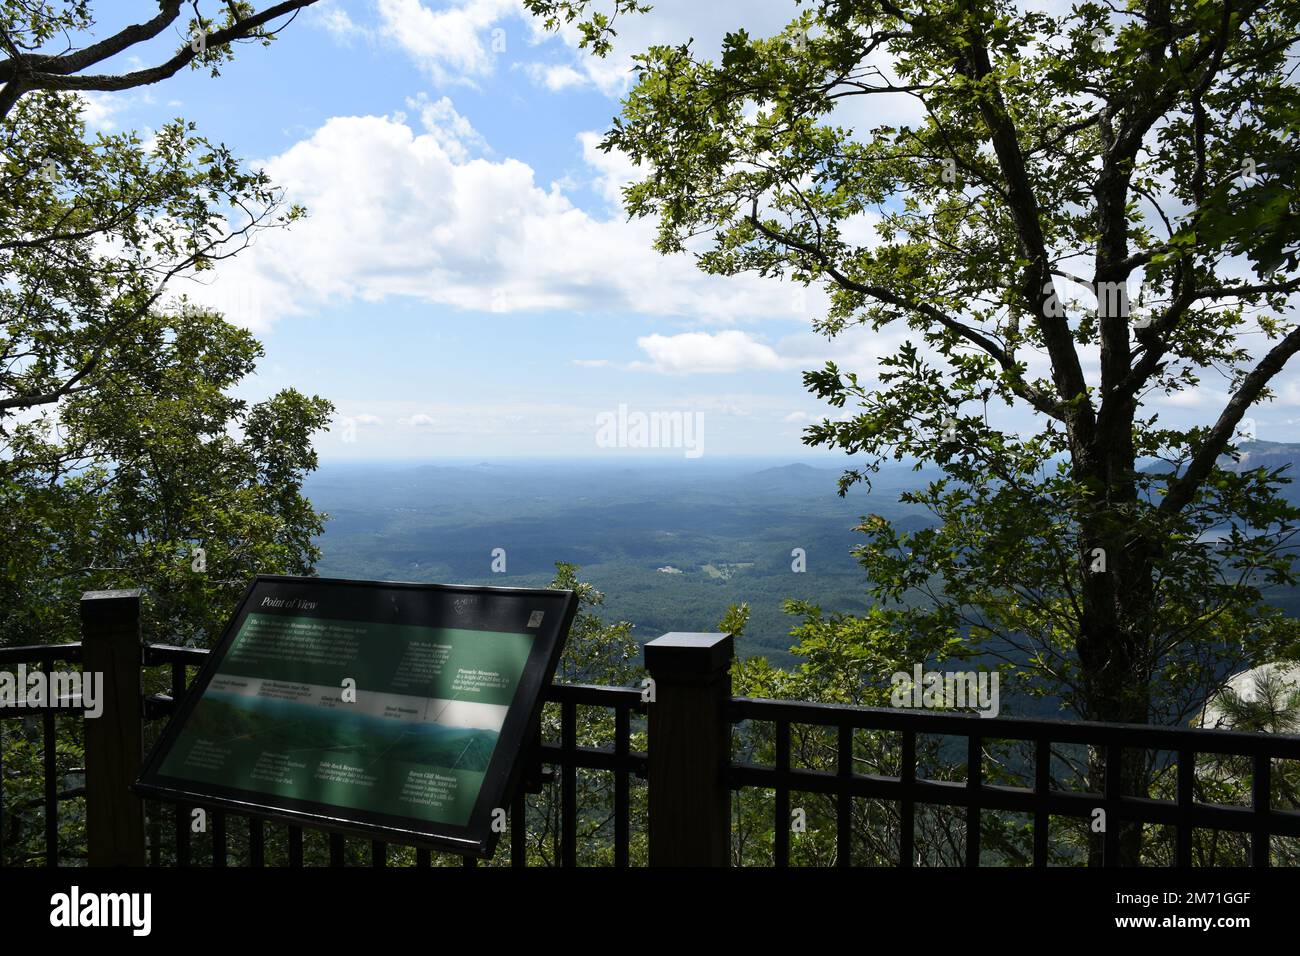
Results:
x,y
1096,147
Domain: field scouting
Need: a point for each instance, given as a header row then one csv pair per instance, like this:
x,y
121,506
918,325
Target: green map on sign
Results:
x,y
386,718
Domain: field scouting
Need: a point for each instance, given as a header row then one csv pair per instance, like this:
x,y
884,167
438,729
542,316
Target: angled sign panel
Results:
x,y
399,711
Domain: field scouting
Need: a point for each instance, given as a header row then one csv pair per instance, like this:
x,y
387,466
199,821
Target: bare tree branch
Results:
x,y
1044,403
24,73
1184,488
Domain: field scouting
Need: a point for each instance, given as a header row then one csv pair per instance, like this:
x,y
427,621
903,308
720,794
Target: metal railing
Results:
x,y
44,657
690,721
1041,801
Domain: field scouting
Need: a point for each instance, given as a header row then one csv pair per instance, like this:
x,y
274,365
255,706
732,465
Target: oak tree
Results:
x,y
1143,154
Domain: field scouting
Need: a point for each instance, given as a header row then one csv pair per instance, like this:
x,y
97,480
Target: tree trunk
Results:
x,y
1115,634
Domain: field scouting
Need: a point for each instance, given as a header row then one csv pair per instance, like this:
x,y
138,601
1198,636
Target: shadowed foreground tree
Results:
x,y
1143,153
124,461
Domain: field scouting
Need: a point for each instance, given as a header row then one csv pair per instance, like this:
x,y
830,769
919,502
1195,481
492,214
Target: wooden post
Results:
x,y
690,749
110,642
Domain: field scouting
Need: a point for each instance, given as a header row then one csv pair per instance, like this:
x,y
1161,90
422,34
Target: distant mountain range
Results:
x,y
1251,455
727,529
1266,454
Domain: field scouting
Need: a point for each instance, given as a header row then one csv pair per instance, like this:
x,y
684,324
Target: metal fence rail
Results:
x,y
569,758
1184,813
689,765
566,757
45,657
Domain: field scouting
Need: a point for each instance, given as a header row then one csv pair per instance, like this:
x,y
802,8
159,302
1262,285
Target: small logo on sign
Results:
x,y
463,604
535,619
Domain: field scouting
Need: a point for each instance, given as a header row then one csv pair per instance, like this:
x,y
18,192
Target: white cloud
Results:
x,y
732,350
1198,397
235,291
613,170
396,212
98,109
727,351
674,22
457,43
462,41
418,420
555,76
452,131
337,22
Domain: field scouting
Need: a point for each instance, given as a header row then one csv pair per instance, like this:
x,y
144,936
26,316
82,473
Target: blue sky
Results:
x,y
466,284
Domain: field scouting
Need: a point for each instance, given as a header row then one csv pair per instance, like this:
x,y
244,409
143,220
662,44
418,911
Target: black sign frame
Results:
x,y
477,838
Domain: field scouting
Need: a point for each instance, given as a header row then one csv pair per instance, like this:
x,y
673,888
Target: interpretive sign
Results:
x,y
395,710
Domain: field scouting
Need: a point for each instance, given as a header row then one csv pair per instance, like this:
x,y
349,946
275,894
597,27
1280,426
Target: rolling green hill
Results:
x,y
671,544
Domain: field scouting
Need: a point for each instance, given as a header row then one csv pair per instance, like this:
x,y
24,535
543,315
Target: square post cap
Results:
x,y
686,652
110,608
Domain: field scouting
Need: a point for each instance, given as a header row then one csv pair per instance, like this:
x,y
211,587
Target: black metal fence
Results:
x,y
163,835
689,719
43,657
1041,801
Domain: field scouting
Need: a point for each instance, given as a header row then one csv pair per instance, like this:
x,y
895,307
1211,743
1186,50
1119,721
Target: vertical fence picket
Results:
x,y
781,805
844,799
256,842
1260,785
622,795
155,815
295,847
569,787
182,834
49,740
2,795
1042,789
1186,797
519,830
219,848
1114,790
907,805
974,781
